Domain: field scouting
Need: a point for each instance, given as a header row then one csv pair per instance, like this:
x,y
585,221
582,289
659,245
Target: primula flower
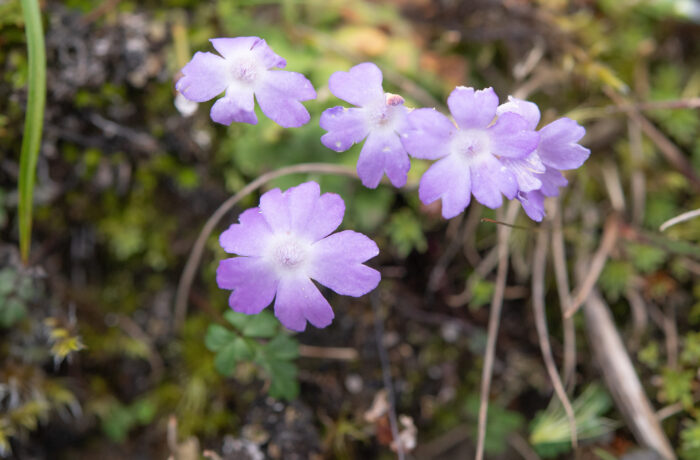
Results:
x,y
243,71
380,117
469,154
284,244
538,174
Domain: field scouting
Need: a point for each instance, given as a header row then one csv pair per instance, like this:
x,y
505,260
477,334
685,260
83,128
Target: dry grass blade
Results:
x,y
538,309
494,322
610,232
680,218
564,292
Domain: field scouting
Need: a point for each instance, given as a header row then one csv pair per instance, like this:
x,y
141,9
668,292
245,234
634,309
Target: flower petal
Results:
x,y
254,284
526,171
511,138
274,207
337,263
449,179
298,300
533,204
233,47
528,110
552,179
279,95
238,105
345,126
301,201
558,144
327,216
489,179
428,137
249,236
361,85
383,151
473,109
204,77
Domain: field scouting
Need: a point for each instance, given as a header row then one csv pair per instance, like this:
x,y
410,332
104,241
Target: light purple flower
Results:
x,y
284,244
469,154
243,71
380,117
538,174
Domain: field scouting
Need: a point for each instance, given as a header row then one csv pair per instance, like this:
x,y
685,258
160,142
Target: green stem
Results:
x,y
33,122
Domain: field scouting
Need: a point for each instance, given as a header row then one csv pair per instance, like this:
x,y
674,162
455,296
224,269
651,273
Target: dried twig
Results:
x,y
597,264
640,318
183,287
666,321
386,373
680,218
638,180
586,113
672,153
522,447
620,377
538,309
339,353
564,292
482,270
438,271
494,321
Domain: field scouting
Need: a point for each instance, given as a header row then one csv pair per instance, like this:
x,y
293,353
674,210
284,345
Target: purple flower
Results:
x,y
538,174
284,244
380,117
469,155
243,70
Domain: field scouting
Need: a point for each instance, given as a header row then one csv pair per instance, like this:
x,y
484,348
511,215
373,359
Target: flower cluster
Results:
x,y
488,151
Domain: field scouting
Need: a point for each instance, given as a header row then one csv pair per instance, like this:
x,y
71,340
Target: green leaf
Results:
x,y
690,355
281,347
677,386
690,441
217,337
645,258
238,320
283,379
33,122
550,434
226,359
615,278
11,311
263,325
406,233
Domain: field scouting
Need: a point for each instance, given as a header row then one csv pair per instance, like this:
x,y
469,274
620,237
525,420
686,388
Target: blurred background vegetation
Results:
x,y
90,363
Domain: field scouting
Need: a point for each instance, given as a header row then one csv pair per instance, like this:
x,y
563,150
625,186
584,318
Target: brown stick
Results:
x,y
597,264
538,310
620,377
494,322
564,292
669,150
183,287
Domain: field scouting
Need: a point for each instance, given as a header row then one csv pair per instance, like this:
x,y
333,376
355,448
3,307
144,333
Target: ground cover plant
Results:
x,y
197,261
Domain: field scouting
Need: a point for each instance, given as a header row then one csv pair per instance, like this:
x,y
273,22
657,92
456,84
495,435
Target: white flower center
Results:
x,y
471,144
245,69
289,253
383,115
